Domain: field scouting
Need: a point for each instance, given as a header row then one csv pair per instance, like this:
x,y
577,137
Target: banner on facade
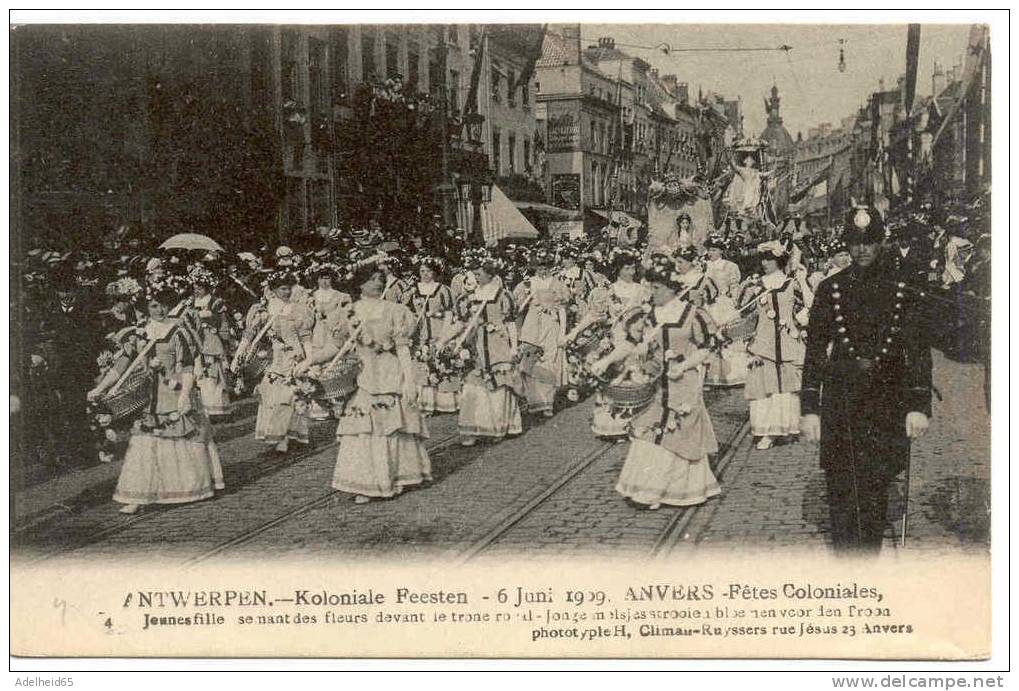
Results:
x,y
566,191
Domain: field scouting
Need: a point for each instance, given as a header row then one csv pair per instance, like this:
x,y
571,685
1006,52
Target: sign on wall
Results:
x,y
566,191
563,132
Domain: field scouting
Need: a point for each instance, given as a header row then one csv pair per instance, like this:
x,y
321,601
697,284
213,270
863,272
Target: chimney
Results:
x,y
571,42
607,42
683,93
937,79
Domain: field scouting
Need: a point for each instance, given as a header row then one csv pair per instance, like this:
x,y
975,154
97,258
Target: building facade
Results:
x,y
612,123
237,131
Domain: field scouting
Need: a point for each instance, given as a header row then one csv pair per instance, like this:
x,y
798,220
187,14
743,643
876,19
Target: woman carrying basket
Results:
x,y
489,401
627,300
382,431
671,436
286,324
543,299
171,457
432,303
330,307
728,368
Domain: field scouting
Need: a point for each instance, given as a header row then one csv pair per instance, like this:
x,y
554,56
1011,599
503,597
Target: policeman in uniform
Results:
x,y
870,395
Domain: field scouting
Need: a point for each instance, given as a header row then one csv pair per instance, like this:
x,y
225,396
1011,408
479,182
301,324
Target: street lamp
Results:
x,y
477,181
477,187
473,122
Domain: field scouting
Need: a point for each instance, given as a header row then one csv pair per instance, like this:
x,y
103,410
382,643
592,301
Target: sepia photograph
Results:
x,y
480,298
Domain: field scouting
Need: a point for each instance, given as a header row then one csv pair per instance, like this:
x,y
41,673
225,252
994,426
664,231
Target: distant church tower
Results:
x,y
780,142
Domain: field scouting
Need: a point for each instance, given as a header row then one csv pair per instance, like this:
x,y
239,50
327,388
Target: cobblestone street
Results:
x,y
549,492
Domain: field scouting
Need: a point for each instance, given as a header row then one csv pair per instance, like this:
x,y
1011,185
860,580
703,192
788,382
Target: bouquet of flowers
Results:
x,y
125,287
449,366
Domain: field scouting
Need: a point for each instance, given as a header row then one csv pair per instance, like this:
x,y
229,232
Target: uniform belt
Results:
x,y
854,365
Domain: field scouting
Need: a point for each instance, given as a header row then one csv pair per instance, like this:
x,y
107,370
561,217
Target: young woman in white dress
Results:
x,y
729,367
625,294
775,368
327,304
432,303
543,299
285,325
381,431
486,333
672,436
171,457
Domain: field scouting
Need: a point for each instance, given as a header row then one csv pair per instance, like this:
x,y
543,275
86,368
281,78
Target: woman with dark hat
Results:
x,y
837,258
671,437
285,325
432,303
776,349
543,299
486,333
381,431
698,288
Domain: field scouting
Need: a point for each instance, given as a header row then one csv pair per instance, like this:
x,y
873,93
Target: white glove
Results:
x,y
916,425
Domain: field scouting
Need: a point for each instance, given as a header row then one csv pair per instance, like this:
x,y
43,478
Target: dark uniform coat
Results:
x,y
878,370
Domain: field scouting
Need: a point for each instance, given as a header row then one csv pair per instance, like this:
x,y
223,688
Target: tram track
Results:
x,y
678,524
661,547
476,547
248,535
460,554
123,523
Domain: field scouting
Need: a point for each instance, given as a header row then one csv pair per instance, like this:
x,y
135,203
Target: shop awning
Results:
x,y
500,219
548,209
619,216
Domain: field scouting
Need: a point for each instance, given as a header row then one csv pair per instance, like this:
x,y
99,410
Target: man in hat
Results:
x,y
911,258
870,396
64,341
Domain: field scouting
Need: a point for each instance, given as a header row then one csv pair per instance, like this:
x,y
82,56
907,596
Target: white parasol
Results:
x,y
191,241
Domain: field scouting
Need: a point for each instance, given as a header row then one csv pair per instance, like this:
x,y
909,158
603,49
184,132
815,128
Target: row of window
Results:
x,y
513,163
509,86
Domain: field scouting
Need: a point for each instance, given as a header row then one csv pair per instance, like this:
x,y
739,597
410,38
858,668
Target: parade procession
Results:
x,y
718,337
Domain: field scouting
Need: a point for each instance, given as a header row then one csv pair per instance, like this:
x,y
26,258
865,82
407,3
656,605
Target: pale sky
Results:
x,y
811,87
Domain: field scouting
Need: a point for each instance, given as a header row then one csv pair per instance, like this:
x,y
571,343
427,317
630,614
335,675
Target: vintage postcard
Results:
x,y
656,340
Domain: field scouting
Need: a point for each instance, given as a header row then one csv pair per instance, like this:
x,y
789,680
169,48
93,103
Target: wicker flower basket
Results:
x,y
742,328
255,368
133,396
341,380
632,395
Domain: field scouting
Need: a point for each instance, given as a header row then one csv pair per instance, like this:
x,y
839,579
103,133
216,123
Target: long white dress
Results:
x,y
490,399
281,414
728,368
543,360
171,457
609,420
671,438
382,435
774,375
